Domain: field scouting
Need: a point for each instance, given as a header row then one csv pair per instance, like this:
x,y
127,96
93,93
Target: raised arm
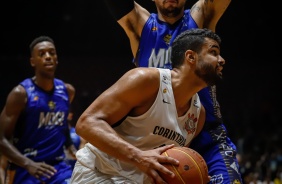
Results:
x,y
207,13
131,17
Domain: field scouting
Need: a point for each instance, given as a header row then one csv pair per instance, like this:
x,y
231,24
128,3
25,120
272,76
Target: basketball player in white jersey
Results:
x,y
147,111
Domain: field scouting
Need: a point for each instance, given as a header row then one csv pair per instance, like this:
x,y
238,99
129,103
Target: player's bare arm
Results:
x,y
120,100
70,148
115,103
71,91
207,13
131,17
133,23
14,106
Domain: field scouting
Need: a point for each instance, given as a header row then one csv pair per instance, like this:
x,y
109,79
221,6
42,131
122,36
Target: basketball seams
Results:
x,y
175,170
193,160
189,158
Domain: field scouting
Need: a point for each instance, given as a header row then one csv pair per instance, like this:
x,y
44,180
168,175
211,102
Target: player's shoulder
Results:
x,y
145,73
18,93
141,76
69,86
18,90
71,90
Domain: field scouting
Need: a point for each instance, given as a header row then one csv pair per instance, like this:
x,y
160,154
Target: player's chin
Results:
x,y
171,1
219,72
219,75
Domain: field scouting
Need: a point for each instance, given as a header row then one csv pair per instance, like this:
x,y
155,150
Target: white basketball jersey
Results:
x,y
159,126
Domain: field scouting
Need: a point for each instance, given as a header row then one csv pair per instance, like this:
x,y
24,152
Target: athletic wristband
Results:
x,y
119,8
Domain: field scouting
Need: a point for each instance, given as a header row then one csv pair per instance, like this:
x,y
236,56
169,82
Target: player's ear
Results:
x,y
31,60
190,56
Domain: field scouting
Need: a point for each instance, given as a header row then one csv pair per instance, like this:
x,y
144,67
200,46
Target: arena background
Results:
x,y
94,52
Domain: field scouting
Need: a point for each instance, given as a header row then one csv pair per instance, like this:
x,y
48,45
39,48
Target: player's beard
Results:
x,y
170,11
208,73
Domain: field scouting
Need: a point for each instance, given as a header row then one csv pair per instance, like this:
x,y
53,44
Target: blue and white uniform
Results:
x,y
159,126
212,143
41,130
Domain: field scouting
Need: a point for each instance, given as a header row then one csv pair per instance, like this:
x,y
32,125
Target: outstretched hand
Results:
x,y
150,162
40,169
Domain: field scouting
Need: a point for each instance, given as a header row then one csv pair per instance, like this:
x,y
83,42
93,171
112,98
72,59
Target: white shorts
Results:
x,y
96,167
84,175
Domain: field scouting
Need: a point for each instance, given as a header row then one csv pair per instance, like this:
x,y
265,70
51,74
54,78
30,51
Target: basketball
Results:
x,y
192,167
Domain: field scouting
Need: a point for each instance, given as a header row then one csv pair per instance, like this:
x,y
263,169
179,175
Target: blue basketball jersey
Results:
x,y
156,39
154,51
212,143
43,125
40,132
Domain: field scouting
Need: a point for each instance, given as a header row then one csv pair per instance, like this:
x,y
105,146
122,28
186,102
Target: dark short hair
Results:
x,y
38,40
192,39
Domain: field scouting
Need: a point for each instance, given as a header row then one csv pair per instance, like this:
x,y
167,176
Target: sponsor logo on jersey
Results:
x,y
164,91
52,105
169,134
164,80
154,28
160,58
35,98
51,119
167,39
30,152
191,124
164,101
217,179
59,87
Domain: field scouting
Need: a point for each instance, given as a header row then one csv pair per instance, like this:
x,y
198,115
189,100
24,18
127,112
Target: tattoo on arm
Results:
x,y
195,8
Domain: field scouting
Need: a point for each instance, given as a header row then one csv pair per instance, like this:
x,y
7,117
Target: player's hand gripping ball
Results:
x,y
192,167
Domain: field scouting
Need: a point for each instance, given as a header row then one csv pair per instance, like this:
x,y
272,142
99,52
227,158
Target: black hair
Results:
x,y
192,39
38,40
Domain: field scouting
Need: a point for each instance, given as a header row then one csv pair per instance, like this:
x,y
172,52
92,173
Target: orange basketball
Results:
x,y
192,167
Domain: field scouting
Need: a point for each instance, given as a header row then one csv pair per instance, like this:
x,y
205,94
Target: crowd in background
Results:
x,y
261,159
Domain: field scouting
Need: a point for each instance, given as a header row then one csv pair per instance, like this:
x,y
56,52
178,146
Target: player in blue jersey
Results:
x,y
150,36
33,123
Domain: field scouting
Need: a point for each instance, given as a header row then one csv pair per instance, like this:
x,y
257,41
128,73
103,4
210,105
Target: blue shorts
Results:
x,y
220,155
21,176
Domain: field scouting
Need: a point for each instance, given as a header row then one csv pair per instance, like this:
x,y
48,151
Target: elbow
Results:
x,y
81,125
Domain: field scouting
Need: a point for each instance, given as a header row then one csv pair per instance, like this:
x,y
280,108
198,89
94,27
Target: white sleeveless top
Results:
x,y
159,126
